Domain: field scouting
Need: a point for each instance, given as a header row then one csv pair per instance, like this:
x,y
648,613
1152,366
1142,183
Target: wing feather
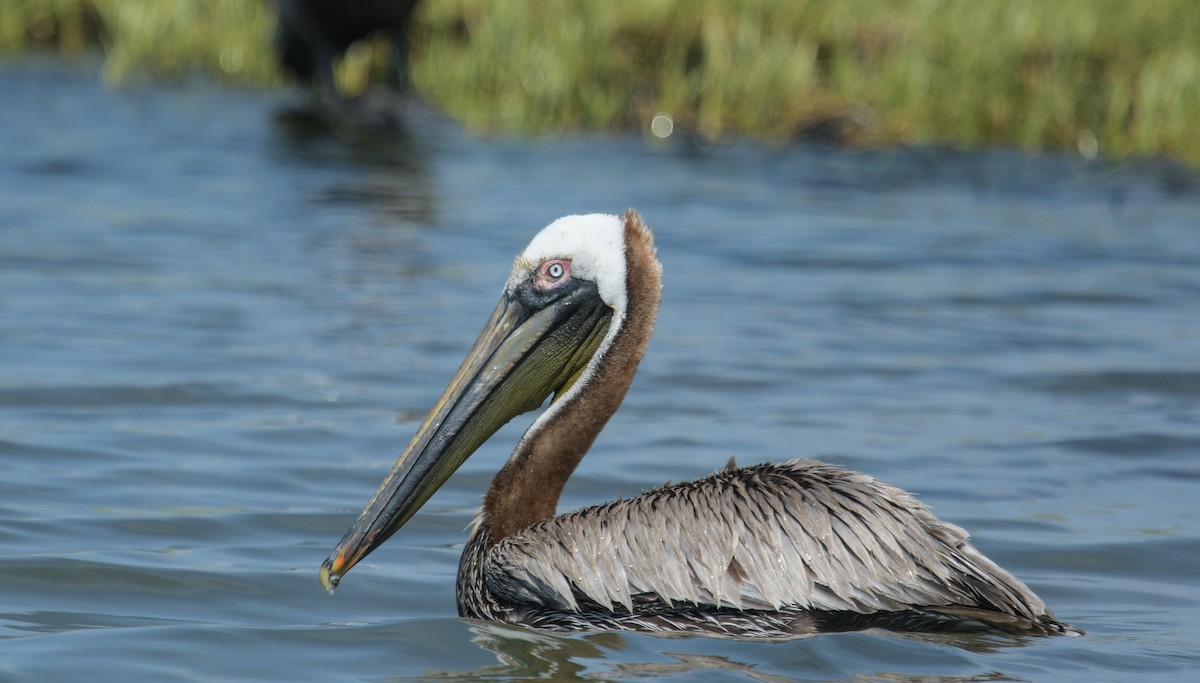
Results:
x,y
800,534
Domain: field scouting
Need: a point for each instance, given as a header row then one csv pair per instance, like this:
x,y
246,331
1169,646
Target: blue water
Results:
x,y
218,329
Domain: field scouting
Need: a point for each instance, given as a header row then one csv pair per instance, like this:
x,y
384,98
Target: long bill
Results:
x,y
525,352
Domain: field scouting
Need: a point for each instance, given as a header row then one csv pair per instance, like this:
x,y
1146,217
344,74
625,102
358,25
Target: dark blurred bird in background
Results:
x,y
313,34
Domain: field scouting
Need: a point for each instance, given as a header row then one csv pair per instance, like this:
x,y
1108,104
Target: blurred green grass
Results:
x,y
1113,77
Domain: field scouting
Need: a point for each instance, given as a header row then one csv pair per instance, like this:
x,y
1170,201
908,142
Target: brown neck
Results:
x,y
527,488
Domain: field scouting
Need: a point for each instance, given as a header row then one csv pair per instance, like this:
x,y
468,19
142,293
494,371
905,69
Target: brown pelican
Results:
x,y
768,551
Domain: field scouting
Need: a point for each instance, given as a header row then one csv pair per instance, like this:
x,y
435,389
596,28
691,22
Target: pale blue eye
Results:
x,y
555,270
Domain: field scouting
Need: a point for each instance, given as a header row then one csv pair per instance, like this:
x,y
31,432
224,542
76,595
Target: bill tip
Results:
x,y
329,580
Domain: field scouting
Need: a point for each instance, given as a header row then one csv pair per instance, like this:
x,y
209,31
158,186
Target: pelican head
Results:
x,y
562,306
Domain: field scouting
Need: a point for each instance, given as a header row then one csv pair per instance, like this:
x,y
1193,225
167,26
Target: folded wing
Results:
x,y
795,535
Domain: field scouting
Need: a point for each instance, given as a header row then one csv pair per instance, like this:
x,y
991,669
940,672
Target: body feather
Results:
x,y
794,544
